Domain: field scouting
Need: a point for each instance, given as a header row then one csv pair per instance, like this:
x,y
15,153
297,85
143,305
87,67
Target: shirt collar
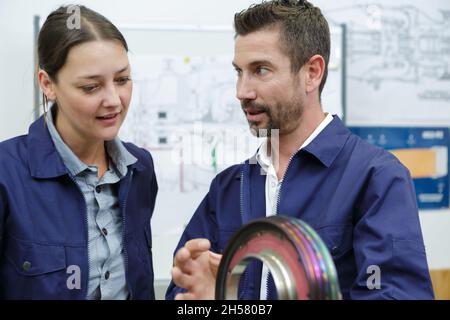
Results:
x,y
265,161
119,155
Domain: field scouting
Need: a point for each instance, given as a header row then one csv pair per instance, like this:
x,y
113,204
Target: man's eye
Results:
x,y
261,71
238,72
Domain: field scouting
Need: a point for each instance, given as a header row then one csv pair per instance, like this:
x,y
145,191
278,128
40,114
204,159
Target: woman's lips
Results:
x,y
109,119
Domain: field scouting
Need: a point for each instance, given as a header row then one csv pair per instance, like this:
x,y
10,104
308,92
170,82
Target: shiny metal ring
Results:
x,y
298,260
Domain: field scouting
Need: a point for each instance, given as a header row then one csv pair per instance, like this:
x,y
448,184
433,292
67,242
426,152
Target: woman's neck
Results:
x,y
89,151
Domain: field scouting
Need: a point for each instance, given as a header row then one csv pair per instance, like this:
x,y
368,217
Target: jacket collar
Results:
x,y
329,143
326,146
43,158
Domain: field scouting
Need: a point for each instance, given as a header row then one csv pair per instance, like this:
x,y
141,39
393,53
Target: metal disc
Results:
x,y
299,261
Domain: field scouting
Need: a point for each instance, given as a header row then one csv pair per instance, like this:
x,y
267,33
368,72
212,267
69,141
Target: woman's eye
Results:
x,y
89,88
123,81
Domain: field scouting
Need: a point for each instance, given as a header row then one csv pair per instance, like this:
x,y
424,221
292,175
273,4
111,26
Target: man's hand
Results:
x,y
195,269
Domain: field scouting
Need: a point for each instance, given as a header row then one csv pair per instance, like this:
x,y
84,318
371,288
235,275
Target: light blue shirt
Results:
x,y
104,218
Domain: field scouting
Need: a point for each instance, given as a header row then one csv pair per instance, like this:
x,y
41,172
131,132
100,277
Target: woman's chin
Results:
x,y
108,135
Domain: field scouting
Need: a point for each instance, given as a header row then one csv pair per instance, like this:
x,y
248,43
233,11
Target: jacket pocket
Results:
x,y
146,251
33,271
32,259
224,238
337,238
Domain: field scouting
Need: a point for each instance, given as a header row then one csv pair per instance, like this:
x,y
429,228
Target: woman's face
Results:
x,y
93,91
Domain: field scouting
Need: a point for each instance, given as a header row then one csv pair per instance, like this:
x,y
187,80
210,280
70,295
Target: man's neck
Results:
x,y
289,144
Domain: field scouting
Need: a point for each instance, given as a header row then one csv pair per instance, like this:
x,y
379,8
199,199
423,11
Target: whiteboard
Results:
x,y
184,110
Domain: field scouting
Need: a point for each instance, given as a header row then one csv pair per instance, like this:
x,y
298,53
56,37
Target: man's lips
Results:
x,y
254,114
253,111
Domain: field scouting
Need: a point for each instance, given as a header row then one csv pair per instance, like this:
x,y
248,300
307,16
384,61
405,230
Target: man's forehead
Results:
x,y
261,45
263,37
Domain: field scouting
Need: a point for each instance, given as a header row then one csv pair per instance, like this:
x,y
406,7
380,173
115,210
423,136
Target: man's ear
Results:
x,y
46,84
314,69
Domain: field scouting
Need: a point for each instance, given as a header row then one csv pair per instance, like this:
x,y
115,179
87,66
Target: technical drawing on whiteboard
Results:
x,y
184,110
399,44
399,56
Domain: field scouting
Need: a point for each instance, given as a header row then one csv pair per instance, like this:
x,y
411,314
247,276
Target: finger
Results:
x,y
181,279
214,262
214,258
181,257
185,296
197,246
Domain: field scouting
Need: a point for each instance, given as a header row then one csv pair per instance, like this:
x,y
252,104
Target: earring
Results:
x,y
45,107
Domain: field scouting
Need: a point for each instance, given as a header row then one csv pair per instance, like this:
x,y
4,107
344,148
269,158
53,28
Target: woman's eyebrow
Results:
x,y
96,76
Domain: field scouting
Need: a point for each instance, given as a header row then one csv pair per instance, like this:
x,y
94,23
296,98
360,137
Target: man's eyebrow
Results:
x,y
261,62
255,63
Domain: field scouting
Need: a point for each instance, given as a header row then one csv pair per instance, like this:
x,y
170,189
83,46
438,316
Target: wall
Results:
x,y
16,84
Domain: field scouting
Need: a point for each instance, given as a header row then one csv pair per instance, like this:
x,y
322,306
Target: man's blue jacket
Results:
x,y
358,197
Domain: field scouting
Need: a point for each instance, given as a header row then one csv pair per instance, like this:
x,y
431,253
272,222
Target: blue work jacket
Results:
x,y
358,197
43,222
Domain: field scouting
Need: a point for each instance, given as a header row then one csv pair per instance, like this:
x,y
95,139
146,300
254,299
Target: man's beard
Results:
x,y
283,118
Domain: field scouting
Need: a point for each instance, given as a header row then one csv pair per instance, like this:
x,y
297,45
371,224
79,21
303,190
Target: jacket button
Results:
x,y
98,189
334,250
107,274
26,266
105,231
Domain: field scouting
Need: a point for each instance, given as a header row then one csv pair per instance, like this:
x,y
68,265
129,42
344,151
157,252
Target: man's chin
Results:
x,y
259,130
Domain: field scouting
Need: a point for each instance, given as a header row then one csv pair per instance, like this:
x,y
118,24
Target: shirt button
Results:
x,y
107,274
26,266
98,189
105,231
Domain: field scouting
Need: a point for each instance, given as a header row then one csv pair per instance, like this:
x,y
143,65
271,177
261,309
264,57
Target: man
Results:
x,y
359,198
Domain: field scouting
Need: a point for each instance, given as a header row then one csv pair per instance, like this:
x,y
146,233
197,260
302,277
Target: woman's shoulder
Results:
x,y
13,158
13,148
143,155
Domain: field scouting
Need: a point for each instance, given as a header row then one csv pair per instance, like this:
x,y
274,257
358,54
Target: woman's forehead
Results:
x,y
96,58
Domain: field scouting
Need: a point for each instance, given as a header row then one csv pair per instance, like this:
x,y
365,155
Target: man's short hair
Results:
x,y
304,30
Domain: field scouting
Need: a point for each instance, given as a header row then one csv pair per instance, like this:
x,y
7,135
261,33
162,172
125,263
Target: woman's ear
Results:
x,y
315,69
46,84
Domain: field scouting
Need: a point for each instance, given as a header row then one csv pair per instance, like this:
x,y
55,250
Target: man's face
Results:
x,y
271,95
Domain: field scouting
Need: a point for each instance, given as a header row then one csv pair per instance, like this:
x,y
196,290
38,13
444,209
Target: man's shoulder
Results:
x,y
230,174
373,157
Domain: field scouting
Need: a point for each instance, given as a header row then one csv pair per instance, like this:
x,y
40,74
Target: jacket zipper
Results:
x,y
125,253
276,208
282,180
242,193
245,274
87,230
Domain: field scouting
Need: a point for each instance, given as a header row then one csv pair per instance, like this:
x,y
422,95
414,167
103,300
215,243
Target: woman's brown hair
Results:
x,y
58,35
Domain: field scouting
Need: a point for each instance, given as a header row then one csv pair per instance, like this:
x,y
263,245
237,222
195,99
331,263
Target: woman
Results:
x,y
76,202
